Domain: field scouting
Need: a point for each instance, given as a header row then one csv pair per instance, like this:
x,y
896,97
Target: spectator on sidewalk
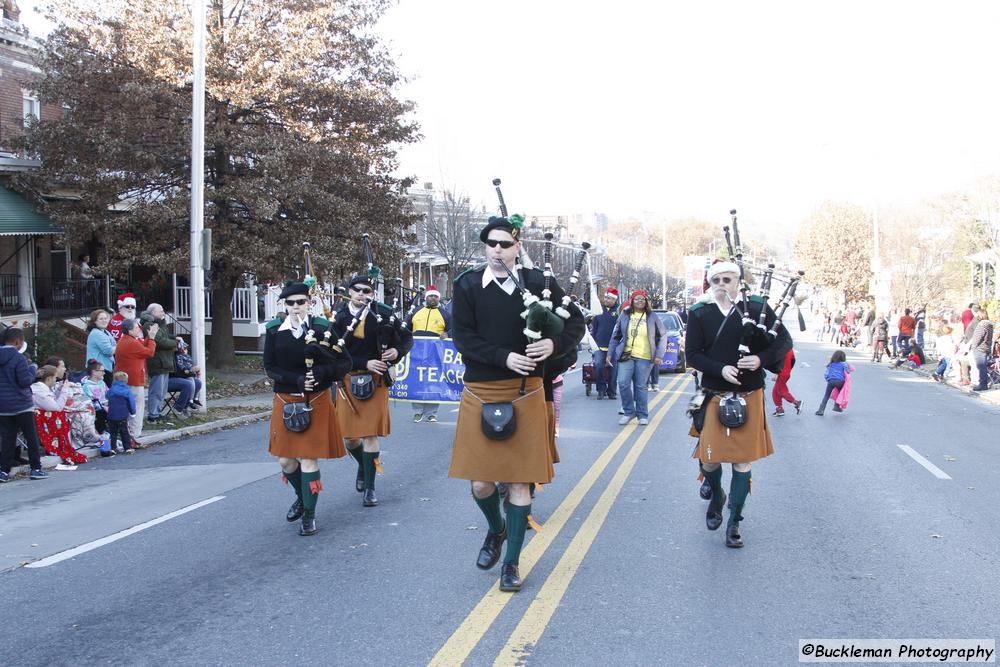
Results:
x,y
894,332
126,311
981,346
907,327
51,398
868,324
130,357
880,338
920,327
186,379
100,343
97,392
429,321
601,328
964,356
160,365
122,407
967,316
17,407
638,341
948,346
915,359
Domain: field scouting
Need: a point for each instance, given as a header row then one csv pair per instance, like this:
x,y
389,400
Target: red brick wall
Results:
x,y
12,80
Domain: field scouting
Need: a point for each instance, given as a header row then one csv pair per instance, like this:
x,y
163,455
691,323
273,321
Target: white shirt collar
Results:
x,y
287,326
507,285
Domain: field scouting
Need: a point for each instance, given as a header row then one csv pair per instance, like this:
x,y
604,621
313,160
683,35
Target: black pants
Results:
x,y
9,426
830,386
109,377
100,420
119,428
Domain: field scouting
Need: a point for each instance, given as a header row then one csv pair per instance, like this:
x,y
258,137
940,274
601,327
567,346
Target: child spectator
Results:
x,y
50,415
836,375
915,359
121,406
781,391
95,390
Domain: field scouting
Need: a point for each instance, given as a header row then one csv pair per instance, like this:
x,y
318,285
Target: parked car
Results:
x,y
673,359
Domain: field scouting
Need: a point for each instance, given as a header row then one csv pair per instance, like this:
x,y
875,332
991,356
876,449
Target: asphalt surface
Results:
x,y
846,536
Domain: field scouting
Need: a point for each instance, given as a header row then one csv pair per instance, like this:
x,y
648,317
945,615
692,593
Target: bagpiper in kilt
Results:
x,y
714,335
363,397
504,378
303,372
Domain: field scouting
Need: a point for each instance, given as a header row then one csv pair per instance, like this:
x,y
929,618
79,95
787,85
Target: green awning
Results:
x,y
18,216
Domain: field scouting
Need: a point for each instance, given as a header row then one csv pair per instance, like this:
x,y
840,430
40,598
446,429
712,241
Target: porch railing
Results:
x,y
10,290
243,304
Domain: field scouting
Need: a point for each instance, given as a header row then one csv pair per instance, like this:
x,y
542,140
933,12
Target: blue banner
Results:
x,y
670,356
431,372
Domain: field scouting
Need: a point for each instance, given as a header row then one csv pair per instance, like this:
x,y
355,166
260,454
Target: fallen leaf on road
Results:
x,y
358,546
935,536
971,488
950,458
424,500
34,545
394,523
472,527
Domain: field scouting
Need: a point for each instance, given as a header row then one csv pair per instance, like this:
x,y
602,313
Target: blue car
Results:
x,y
673,358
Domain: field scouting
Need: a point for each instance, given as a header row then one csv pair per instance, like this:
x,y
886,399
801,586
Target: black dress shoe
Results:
x,y
713,517
369,499
510,580
359,482
733,538
705,491
295,512
308,526
490,553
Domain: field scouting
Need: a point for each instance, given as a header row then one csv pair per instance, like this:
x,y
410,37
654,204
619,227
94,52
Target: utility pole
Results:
x,y
663,263
198,197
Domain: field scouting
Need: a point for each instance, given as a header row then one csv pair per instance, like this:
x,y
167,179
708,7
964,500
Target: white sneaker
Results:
x,y
624,419
643,421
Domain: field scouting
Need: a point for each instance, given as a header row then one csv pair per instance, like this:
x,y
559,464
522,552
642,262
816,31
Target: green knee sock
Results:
x,y
311,486
517,524
294,479
356,453
714,478
490,506
739,487
368,464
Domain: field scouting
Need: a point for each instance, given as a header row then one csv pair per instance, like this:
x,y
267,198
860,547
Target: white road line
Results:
x,y
933,469
90,546
807,364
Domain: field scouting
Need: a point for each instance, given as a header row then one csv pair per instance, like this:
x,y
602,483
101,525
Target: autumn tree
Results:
x,y
451,229
302,125
834,248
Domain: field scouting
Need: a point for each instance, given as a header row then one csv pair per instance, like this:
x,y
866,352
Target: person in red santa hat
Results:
x,y
126,311
431,320
638,342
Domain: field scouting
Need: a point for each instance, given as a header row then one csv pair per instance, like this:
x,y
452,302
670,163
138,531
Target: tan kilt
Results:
x,y
550,411
524,457
747,443
322,440
363,419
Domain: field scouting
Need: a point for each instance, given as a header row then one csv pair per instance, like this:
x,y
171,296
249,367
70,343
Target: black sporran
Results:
x,y
498,421
362,386
297,416
732,410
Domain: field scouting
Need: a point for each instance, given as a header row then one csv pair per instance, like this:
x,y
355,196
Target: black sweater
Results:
x,y
487,326
709,353
365,349
285,358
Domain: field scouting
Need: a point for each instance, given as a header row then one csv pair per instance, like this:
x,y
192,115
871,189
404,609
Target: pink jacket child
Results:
x,y
842,395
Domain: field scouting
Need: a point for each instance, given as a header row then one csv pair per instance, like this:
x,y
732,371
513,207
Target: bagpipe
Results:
x,y
755,335
389,332
324,351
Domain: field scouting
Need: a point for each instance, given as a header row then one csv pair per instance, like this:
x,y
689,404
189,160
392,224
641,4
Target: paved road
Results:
x,y
848,536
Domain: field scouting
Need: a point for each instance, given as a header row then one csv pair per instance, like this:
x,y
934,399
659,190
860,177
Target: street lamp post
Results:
x,y
198,195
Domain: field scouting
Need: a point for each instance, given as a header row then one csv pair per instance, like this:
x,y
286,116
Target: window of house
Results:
x,y
31,106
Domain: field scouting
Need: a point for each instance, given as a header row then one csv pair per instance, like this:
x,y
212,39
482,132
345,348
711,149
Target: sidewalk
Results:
x,y
259,408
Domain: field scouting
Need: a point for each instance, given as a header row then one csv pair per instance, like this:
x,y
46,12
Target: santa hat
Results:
x,y
432,291
639,292
721,266
127,299
612,292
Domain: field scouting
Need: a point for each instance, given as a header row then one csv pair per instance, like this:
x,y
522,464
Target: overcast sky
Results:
x,y
692,108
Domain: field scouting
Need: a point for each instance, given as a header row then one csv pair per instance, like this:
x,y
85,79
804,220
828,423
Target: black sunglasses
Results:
x,y
721,279
296,302
506,245
362,290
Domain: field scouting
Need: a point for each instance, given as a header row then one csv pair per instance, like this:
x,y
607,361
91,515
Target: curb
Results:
x,y
50,462
991,396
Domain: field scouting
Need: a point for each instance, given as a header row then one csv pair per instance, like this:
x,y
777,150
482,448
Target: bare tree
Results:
x,y
451,229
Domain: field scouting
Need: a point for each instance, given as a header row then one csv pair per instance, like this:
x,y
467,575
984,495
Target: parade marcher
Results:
x,y
126,311
429,321
503,432
304,426
363,400
601,328
714,336
637,345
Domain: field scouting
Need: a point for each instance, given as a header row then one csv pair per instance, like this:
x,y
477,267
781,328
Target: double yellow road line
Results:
x,y
527,633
